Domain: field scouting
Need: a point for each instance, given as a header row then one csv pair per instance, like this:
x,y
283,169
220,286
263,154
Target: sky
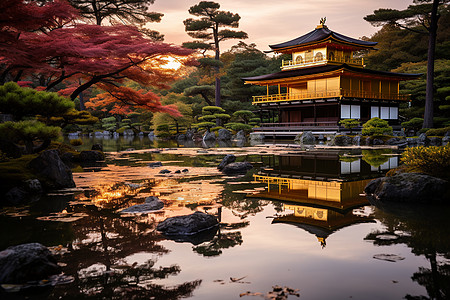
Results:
x,y
273,21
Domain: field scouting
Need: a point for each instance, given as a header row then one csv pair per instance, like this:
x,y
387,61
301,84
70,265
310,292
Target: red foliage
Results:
x,y
121,99
42,41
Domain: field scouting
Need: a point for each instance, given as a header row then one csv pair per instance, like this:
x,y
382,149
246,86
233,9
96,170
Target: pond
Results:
x,y
294,225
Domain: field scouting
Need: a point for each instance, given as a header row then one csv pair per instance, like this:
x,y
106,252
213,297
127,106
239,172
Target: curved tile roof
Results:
x,y
325,69
318,34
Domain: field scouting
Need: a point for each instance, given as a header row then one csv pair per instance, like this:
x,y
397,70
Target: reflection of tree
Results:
x,y
425,230
376,158
221,241
98,259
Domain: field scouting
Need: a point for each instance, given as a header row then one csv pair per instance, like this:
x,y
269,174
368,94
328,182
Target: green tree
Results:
x,y
424,13
207,29
27,132
376,127
349,123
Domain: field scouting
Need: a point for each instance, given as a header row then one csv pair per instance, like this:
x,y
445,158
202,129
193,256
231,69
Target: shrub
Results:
x,y
414,123
433,160
217,128
438,131
349,123
376,127
211,110
76,142
239,126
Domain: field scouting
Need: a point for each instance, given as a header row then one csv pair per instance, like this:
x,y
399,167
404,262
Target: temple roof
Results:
x,y
326,69
321,33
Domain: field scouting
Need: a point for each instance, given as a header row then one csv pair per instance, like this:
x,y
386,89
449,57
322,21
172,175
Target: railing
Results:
x,y
328,94
288,64
300,124
297,96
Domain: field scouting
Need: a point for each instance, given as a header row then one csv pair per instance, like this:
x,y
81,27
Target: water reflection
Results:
x,y
425,230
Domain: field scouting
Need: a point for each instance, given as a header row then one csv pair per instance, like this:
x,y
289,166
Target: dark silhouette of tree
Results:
x,y
207,28
422,15
129,12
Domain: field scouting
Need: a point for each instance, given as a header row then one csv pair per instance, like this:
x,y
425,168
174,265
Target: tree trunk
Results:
x,y
81,98
428,116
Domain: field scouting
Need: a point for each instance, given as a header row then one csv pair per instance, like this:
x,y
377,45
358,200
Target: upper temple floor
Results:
x,y
322,46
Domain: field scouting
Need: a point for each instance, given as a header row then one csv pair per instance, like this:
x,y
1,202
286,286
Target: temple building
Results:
x,y
325,82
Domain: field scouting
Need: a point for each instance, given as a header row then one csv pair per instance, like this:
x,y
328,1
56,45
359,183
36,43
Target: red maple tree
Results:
x,y
54,49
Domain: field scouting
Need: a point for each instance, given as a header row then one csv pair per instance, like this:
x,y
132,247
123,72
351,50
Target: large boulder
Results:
x,y
90,155
189,134
423,139
97,147
187,225
343,140
224,135
240,135
228,159
237,168
209,136
356,140
29,191
128,132
27,262
397,141
408,187
151,204
49,166
435,141
305,138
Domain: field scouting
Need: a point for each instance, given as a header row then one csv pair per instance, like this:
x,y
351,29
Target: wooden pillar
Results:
x,y
315,114
267,88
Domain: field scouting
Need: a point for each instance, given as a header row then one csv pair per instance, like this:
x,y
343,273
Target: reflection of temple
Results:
x,y
320,191
323,166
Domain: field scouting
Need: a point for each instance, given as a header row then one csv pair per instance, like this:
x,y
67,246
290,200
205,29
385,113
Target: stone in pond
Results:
x,y
27,262
228,159
178,171
155,164
165,171
408,188
187,225
237,168
185,170
151,204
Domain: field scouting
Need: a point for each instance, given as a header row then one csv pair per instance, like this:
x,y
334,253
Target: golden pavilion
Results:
x,y
324,82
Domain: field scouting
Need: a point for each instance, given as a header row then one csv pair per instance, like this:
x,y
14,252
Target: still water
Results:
x,y
296,220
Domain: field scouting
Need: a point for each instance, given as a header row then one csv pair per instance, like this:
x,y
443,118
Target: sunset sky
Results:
x,y
273,21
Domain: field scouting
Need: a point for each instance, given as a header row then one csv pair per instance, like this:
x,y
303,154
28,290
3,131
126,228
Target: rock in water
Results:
x,y
228,159
407,187
49,165
91,155
27,262
187,225
151,204
237,168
